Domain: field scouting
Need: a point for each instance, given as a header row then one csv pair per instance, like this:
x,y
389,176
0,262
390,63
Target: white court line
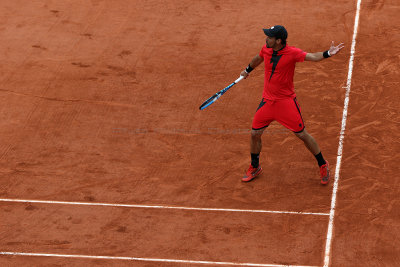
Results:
x,y
340,148
145,259
157,207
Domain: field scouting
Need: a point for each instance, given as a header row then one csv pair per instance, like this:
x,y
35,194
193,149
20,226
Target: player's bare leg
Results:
x,y
255,149
312,145
309,142
255,141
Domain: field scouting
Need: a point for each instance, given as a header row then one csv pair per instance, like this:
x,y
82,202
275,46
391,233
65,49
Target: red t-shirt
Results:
x,y
279,71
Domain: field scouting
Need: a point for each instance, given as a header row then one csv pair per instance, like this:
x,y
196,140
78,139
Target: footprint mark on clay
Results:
x,y
30,207
55,12
81,65
39,47
122,229
125,53
88,35
115,68
76,221
89,198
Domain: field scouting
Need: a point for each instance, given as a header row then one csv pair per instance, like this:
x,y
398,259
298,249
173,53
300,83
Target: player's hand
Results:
x,y
335,49
244,74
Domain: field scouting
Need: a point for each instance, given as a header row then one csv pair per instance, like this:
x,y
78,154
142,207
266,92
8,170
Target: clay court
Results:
x,y
106,159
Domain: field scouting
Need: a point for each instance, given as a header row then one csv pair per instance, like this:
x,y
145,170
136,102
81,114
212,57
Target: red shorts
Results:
x,y
285,111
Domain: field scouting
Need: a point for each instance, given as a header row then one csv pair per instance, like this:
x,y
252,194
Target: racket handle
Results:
x,y
239,79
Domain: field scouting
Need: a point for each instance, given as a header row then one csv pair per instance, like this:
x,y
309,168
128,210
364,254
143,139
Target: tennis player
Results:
x,y
279,99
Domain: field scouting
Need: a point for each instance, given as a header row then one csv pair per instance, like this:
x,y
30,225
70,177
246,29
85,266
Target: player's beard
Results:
x,y
268,46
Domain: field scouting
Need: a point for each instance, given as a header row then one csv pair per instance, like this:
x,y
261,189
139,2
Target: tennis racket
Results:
x,y
219,94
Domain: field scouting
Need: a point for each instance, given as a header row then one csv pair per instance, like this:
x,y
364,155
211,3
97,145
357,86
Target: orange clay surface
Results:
x,y
99,103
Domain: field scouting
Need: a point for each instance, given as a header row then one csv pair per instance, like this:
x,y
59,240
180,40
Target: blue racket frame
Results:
x,y
215,97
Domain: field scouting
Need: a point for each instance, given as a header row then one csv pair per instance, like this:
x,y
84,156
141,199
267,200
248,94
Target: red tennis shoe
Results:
x,y
324,171
252,173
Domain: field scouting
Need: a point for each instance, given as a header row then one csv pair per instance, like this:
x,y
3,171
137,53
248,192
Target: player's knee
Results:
x,y
256,134
302,135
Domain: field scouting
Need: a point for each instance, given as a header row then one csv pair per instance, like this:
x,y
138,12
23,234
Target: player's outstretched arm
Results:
x,y
253,64
333,50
